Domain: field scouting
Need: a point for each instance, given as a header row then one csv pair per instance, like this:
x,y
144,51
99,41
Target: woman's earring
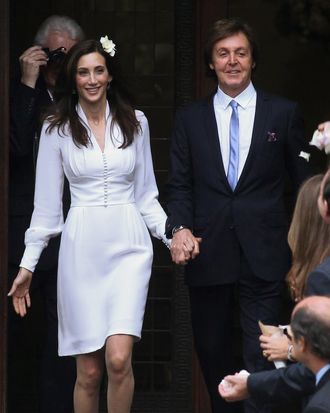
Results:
x,y
108,87
74,91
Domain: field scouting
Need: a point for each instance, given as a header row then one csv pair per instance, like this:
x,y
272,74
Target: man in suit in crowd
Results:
x,y
310,326
229,158
294,383
30,96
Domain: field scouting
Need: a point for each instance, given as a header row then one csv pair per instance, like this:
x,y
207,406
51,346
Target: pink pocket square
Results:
x,y
271,137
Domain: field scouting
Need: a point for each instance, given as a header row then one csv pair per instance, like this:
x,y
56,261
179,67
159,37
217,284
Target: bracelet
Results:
x,y
177,229
289,355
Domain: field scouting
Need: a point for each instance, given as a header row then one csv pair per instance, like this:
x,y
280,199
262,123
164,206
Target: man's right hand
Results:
x,y
184,246
30,61
234,387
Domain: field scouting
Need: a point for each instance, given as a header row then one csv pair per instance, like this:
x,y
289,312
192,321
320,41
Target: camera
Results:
x,y
56,56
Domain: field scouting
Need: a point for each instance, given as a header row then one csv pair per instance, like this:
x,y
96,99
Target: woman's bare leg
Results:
x,y
118,359
90,368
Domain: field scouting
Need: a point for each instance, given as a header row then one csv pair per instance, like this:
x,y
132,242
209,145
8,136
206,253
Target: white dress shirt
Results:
x,y
246,112
321,373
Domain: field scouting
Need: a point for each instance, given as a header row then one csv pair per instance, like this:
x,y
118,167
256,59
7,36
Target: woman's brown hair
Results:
x,y
309,237
64,111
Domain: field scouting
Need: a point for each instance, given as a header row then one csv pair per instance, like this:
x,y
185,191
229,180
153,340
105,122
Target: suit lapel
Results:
x,y
260,121
212,137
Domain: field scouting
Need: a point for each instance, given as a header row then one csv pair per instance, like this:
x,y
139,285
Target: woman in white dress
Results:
x,y
94,137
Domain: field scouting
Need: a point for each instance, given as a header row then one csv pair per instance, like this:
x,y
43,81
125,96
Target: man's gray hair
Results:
x,y
314,329
61,24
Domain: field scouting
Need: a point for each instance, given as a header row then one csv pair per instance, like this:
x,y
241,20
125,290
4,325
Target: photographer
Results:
x,y
30,96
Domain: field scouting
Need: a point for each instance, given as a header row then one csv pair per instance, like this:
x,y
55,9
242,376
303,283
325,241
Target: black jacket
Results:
x,y
253,217
320,401
26,107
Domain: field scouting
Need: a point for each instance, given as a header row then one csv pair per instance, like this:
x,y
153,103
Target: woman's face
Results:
x,y
92,78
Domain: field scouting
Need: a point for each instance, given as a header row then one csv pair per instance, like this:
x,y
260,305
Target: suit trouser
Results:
x,y
55,380
212,314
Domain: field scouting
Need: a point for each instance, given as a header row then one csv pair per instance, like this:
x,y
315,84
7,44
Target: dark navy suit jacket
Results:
x,y
253,217
318,282
320,401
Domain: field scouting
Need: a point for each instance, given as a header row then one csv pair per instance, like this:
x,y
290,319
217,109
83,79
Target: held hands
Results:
x,y
234,388
184,246
20,291
275,347
30,62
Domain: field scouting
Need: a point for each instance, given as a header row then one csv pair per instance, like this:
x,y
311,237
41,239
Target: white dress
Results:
x,y
106,253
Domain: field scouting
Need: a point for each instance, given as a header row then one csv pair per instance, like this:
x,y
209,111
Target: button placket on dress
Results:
x,y
105,179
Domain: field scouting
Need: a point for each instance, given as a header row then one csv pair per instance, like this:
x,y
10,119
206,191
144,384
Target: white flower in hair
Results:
x,y
108,45
321,139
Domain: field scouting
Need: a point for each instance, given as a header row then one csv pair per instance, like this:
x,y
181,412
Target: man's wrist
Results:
x,y
178,228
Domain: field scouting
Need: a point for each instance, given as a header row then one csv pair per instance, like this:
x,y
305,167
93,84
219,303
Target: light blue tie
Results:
x,y
232,174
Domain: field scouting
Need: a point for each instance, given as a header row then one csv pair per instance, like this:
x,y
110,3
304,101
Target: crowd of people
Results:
x,y
295,383
81,166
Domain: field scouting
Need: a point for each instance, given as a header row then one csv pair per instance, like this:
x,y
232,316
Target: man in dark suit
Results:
x,y
285,386
30,96
309,379
310,326
295,383
229,159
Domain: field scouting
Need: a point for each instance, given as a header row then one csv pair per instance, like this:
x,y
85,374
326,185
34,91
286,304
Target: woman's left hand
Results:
x,y
20,291
275,347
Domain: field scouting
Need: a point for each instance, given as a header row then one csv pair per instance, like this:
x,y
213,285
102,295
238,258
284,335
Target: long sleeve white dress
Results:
x,y
106,252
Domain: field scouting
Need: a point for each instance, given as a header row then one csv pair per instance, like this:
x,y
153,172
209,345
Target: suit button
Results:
x,y
231,226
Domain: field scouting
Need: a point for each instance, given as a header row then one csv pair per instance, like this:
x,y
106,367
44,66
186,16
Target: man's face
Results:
x,y
55,40
232,62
